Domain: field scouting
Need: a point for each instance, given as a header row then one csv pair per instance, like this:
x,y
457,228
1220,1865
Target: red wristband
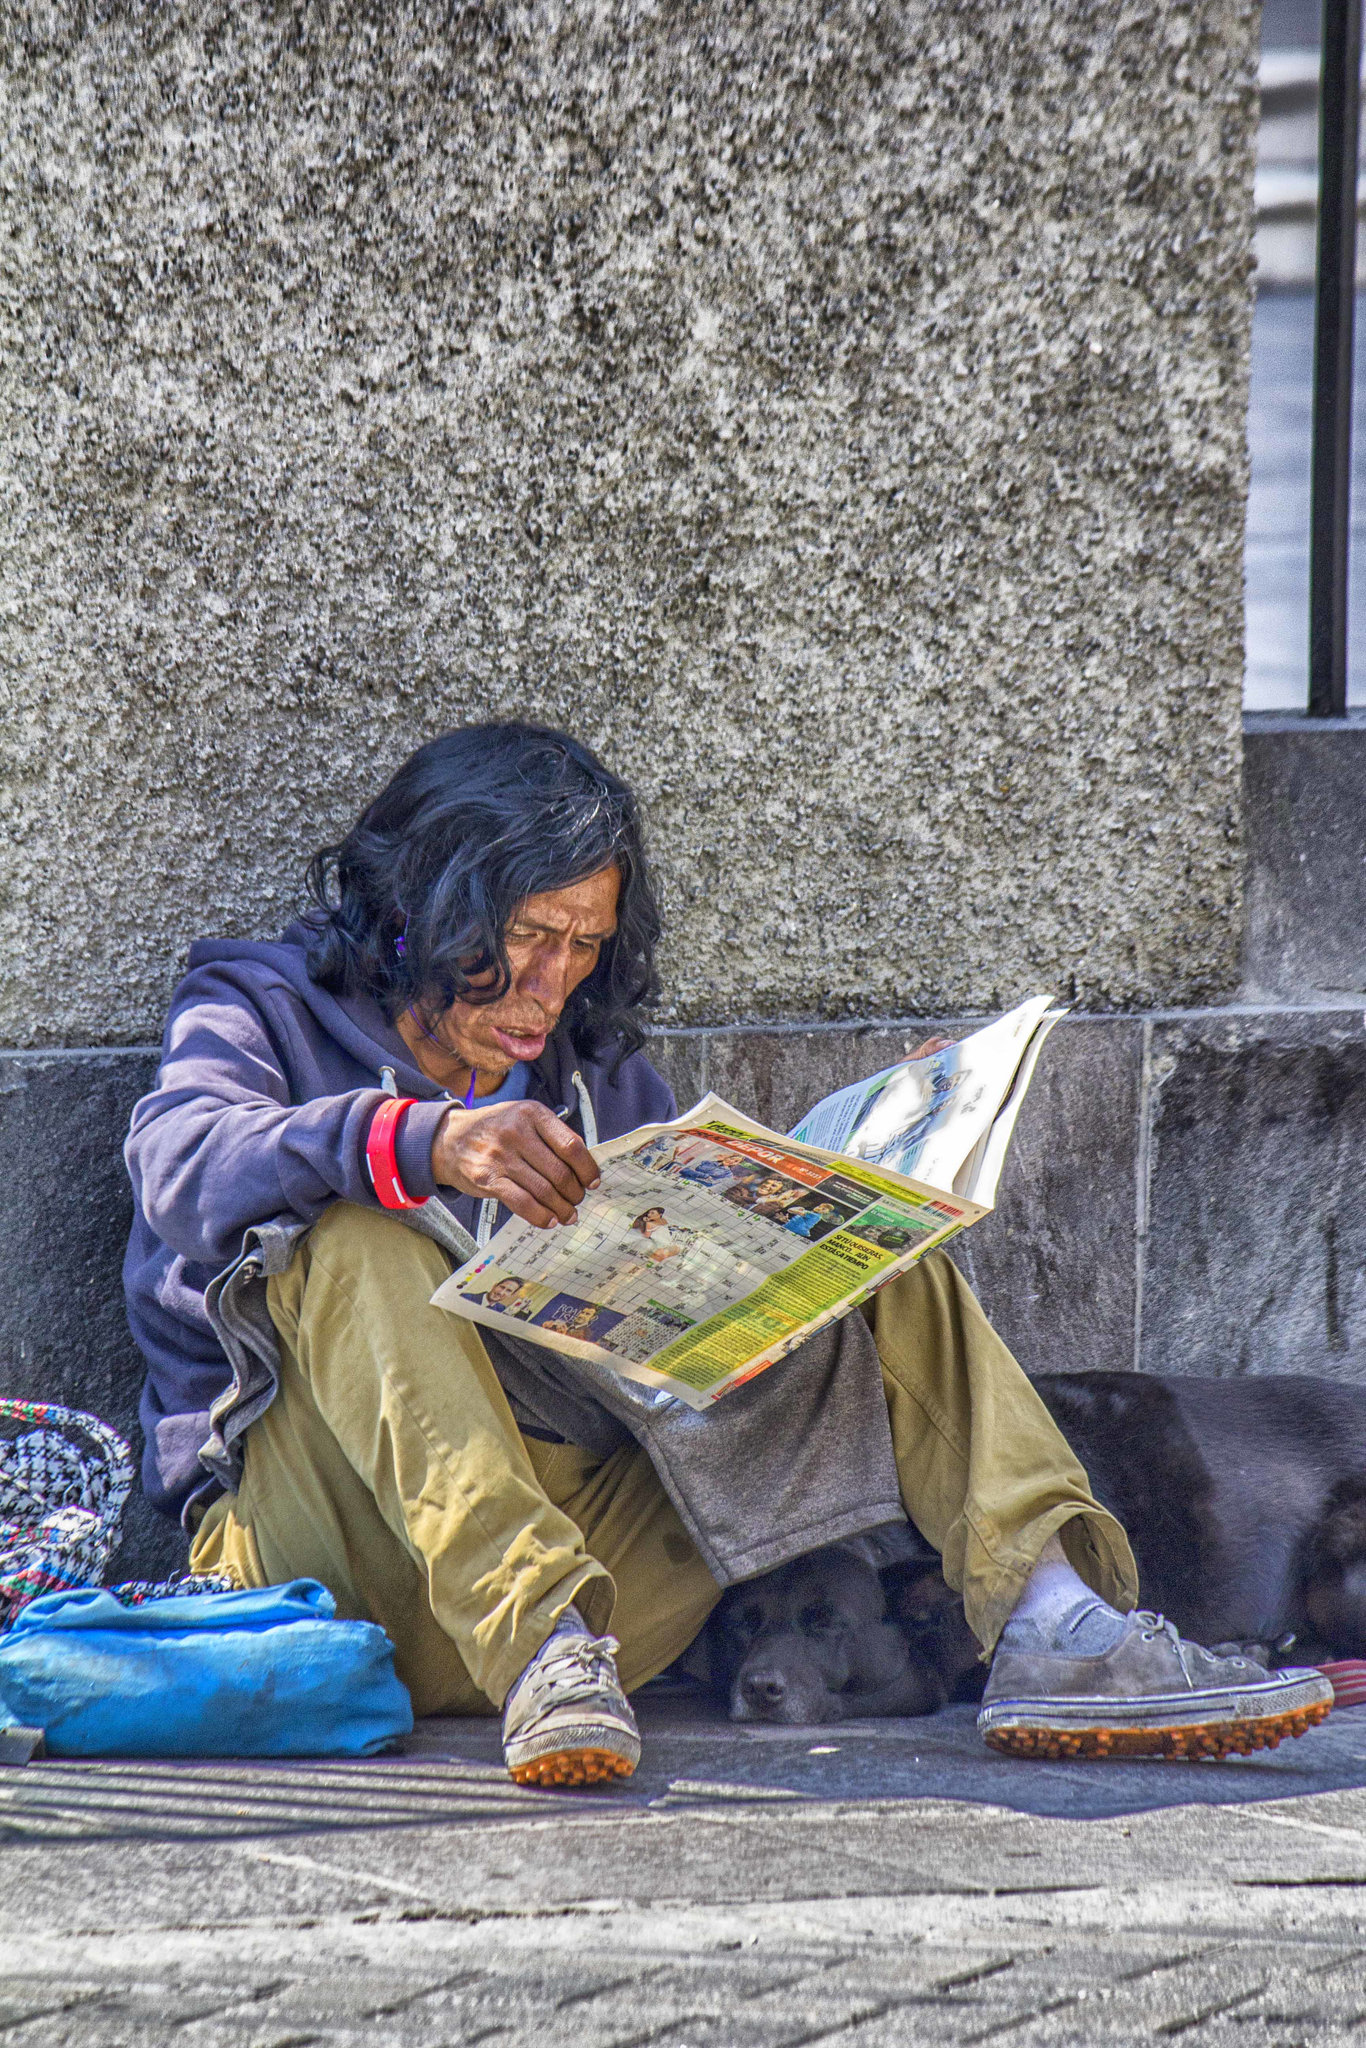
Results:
x,y
381,1156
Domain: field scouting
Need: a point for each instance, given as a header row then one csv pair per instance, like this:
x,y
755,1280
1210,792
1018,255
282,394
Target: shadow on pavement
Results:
x,y
451,1774
942,1757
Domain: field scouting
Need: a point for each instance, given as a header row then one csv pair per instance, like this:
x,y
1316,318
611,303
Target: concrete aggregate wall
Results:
x,y
833,412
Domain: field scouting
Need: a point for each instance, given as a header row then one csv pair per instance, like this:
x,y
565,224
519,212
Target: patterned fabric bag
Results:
x,y
63,1486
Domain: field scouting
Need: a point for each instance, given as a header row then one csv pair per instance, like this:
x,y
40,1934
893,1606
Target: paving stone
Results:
x,y
887,1883
628,1979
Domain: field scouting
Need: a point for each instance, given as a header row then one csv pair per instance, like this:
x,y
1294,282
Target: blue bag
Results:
x,y
269,1673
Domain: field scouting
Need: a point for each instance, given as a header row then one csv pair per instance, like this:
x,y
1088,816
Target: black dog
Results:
x,y
810,1643
1244,1499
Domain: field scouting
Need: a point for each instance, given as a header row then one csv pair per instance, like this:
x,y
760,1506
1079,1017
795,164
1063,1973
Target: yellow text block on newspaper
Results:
x,y
812,1285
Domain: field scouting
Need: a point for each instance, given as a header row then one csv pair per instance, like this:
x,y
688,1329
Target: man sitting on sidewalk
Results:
x,y
482,943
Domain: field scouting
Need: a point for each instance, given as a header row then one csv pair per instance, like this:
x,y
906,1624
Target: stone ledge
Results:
x,y
1186,1193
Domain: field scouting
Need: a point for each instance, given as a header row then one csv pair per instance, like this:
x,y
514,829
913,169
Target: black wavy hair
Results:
x,y
411,908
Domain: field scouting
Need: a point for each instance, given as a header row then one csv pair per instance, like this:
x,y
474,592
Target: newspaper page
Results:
x,y
928,1117
711,1247
980,1176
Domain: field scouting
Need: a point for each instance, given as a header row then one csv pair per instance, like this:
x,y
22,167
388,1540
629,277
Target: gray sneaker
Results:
x,y
1151,1694
567,1720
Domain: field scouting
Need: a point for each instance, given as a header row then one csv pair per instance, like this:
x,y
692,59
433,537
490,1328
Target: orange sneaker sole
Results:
x,y
1210,1739
567,1767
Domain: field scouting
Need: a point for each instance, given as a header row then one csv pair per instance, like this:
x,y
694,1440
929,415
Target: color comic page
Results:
x,y
710,1247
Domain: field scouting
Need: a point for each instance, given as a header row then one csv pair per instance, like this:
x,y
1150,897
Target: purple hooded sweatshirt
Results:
x,y
260,1113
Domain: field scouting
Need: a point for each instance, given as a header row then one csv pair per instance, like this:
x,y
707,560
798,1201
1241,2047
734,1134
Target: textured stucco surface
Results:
x,y
833,412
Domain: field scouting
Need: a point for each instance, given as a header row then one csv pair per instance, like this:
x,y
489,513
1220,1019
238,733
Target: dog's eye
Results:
x,y
819,1617
747,1621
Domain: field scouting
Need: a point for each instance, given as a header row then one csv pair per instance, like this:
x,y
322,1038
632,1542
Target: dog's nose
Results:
x,y
763,1688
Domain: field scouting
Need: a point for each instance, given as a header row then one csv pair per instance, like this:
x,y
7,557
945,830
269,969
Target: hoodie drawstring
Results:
x,y
488,1211
586,1116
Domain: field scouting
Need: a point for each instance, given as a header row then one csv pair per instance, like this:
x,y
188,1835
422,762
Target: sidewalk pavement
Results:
x,y
885,1883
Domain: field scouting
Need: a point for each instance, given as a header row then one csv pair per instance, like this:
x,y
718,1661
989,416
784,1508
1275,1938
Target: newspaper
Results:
x,y
712,1245
947,1118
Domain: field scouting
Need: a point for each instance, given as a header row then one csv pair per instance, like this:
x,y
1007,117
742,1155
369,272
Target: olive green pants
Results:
x,y
389,1466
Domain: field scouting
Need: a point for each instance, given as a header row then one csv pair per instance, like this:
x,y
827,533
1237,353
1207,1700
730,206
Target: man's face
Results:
x,y
552,944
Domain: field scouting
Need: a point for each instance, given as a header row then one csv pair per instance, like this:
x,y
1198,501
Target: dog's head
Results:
x,y
791,1639
808,1643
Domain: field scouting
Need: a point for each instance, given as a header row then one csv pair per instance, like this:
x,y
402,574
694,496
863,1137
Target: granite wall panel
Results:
x,y
63,1227
1305,794
1256,1209
1055,1264
1200,1180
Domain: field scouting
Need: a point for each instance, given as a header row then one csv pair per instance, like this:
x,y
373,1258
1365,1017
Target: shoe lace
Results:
x,y
591,1658
1155,1625
570,1668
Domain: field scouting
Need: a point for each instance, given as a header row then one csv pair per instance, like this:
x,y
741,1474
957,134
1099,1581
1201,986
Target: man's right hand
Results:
x,y
517,1153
